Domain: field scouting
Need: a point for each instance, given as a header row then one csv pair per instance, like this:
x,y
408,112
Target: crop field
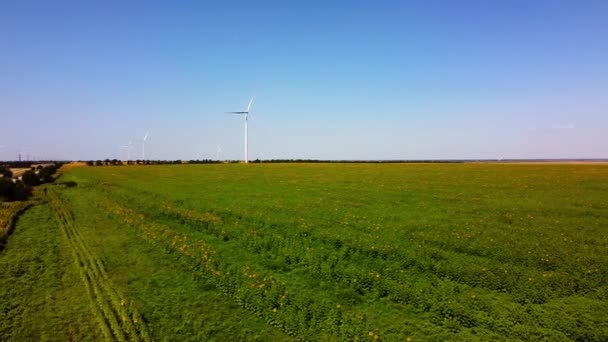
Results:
x,y
277,252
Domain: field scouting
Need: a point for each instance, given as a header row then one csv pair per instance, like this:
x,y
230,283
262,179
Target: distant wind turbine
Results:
x,y
219,150
246,113
143,146
129,147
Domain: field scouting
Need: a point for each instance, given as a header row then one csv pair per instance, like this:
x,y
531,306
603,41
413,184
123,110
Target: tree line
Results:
x,y
19,189
116,162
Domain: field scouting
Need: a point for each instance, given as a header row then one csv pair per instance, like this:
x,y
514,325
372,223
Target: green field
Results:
x,y
317,252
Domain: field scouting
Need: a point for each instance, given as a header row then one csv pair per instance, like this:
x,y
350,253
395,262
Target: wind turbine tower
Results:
x,y
143,146
129,147
219,150
246,113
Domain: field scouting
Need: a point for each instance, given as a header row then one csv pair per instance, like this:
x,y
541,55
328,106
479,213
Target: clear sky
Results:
x,y
332,80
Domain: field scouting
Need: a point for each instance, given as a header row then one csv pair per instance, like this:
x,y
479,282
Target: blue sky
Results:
x,y
332,80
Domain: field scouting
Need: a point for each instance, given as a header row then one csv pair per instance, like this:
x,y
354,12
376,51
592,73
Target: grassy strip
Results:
x,y
41,294
117,318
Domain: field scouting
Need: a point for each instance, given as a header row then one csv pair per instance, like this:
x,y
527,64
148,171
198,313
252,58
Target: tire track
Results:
x,y
117,321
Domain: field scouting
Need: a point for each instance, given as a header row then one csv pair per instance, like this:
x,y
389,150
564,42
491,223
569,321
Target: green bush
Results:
x,y
13,191
6,172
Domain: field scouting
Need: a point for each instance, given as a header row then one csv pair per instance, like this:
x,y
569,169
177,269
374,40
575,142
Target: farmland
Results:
x,y
312,252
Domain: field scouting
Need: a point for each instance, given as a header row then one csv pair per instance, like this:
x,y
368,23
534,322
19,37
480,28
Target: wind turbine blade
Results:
x,y
235,112
249,106
146,136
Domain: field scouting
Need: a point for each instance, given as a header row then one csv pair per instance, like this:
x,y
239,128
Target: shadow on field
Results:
x,y
69,184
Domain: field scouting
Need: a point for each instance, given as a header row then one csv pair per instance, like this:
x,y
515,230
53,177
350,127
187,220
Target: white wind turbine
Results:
x,y
246,113
143,146
129,147
121,152
219,150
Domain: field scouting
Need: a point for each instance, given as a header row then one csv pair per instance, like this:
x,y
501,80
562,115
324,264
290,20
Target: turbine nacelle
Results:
x,y
243,112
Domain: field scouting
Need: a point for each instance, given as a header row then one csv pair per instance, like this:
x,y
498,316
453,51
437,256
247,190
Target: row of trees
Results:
x,y
5,172
13,191
114,162
20,189
15,164
351,161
